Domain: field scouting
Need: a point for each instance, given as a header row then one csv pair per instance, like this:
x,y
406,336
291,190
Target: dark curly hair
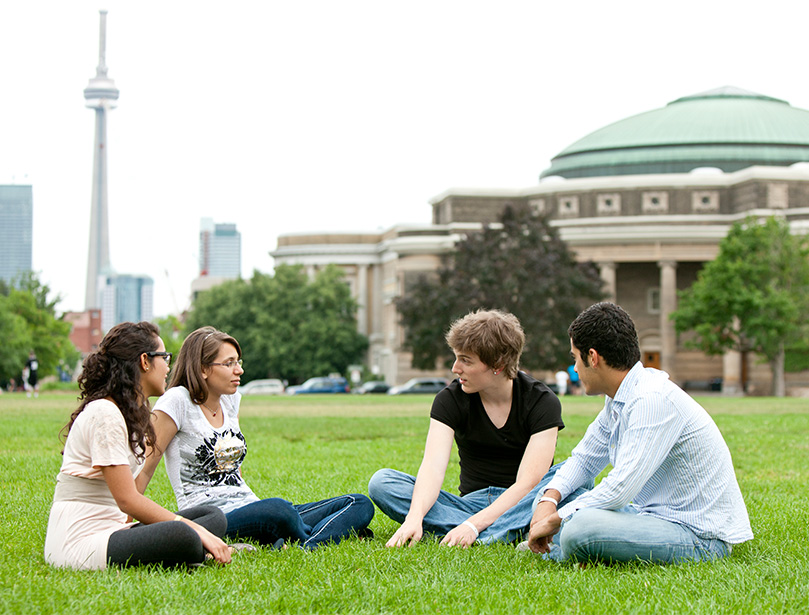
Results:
x,y
199,350
113,371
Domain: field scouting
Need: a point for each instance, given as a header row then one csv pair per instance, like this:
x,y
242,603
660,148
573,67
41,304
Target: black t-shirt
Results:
x,y
490,457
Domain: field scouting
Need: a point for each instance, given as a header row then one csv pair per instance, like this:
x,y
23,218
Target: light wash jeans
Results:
x,y
392,492
623,535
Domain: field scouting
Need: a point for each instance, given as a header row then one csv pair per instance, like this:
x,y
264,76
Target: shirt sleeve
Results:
x,y
445,409
640,444
174,403
108,437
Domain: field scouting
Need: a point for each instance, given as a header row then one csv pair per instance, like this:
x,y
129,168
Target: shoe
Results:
x,y
241,547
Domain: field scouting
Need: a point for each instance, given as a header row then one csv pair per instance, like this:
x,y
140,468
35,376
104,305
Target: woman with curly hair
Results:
x,y
96,499
197,426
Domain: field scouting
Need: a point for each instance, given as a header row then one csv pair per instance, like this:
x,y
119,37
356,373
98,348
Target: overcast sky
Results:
x,y
294,116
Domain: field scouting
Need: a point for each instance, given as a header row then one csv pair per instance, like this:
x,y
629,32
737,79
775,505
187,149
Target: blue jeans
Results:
x,y
392,491
331,520
592,534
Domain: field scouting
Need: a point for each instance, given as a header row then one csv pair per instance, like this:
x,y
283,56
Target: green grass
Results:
x,y
307,448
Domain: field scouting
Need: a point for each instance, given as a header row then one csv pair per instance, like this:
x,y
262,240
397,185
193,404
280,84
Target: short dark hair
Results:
x,y
609,330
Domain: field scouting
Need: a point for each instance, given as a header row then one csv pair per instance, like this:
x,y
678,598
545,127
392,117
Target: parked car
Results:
x,y
270,386
419,385
374,386
321,385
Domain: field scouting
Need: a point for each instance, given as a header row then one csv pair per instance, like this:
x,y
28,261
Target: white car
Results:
x,y
271,386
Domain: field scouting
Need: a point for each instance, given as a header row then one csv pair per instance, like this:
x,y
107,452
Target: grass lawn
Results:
x,y
305,448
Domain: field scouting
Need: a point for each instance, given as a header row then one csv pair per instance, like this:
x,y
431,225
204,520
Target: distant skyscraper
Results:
x,y
125,298
16,230
100,94
220,250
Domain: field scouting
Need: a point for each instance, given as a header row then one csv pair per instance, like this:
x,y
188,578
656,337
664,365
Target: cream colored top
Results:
x,y
84,513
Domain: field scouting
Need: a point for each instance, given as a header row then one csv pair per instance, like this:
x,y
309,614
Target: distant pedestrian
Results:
x,y
32,365
561,382
575,385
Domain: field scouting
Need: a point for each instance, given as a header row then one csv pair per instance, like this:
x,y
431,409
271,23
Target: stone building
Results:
x,y
648,199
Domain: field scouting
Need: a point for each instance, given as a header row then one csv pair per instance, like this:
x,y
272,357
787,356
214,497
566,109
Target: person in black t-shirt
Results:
x,y
505,424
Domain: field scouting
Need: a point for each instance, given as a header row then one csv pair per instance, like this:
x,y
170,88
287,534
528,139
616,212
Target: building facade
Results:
x,y
648,199
16,231
220,255
125,298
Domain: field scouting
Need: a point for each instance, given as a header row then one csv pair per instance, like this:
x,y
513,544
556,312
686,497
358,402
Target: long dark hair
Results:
x,y
113,371
199,350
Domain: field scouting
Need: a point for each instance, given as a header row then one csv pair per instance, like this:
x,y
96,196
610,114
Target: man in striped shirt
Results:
x,y
671,495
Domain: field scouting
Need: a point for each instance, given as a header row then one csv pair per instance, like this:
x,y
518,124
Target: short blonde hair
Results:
x,y
496,337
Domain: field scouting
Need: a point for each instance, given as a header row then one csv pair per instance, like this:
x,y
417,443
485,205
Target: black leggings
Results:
x,y
169,542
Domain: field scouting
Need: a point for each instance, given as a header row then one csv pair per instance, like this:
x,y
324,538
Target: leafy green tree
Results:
x,y
16,342
753,297
28,321
288,326
171,331
521,266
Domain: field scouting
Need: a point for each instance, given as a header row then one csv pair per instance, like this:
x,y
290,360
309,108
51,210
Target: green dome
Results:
x,y
727,128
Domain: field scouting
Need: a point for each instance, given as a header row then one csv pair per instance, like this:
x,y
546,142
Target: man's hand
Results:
x,y
409,533
544,524
461,536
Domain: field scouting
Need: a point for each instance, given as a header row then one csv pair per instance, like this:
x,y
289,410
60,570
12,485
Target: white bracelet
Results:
x,y
472,525
547,498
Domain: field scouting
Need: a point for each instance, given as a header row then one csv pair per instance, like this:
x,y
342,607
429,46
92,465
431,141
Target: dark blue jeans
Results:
x,y
331,520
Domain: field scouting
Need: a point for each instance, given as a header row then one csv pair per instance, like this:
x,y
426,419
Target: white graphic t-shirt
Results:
x,y
202,461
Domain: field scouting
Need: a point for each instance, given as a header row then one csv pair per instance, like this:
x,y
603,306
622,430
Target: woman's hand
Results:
x,y
212,544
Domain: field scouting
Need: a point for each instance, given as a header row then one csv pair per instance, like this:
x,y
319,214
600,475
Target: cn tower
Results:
x,y
100,94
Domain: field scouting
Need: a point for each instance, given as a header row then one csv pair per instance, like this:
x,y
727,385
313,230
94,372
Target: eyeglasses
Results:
x,y
165,355
230,364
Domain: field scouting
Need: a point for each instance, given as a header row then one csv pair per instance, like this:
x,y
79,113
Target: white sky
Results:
x,y
297,116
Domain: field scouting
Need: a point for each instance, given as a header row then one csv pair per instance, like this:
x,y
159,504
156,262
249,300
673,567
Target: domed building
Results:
x,y
648,199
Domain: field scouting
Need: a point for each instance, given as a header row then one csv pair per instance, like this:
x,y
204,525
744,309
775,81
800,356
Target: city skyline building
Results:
x,y
220,249
16,231
100,95
125,298
220,255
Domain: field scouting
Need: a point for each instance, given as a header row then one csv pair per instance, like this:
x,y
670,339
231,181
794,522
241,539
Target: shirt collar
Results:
x,y
625,390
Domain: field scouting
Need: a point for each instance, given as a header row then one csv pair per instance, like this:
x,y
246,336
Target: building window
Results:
x,y
537,207
655,202
608,204
569,206
653,301
705,201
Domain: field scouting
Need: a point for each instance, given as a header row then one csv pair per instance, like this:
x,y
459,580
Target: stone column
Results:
x,y
732,373
608,276
362,299
668,303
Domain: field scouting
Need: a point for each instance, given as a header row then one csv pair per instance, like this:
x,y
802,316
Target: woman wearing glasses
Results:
x,y
197,426
96,495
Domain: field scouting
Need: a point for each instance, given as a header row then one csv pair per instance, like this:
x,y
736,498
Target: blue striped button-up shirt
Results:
x,y
668,460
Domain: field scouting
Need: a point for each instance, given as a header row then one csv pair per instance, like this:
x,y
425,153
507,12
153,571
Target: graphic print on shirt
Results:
x,y
219,458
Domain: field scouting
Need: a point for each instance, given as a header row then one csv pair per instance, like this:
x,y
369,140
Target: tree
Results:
x,y
753,297
288,326
520,266
28,321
